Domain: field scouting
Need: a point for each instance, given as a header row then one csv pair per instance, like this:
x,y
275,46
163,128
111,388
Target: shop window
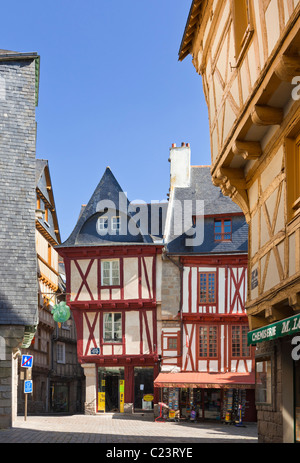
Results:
x,y
263,381
242,26
207,288
293,176
239,347
60,352
110,272
112,329
223,230
208,341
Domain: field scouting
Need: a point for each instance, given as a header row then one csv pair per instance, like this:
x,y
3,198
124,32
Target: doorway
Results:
x,y
109,380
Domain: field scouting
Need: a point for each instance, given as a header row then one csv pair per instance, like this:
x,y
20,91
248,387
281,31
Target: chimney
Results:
x,y
180,159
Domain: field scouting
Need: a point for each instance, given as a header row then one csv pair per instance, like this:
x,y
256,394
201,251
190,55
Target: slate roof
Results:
x,y
214,204
109,198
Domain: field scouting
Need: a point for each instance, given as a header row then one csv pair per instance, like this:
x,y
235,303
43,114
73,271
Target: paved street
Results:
x,y
119,429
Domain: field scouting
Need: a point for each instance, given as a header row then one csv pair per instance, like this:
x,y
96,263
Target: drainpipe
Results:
x,y
165,255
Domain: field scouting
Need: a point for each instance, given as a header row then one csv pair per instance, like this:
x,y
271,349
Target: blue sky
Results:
x,y
112,93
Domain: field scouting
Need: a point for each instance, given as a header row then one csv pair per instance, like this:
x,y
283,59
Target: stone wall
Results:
x,y
18,267
170,293
275,420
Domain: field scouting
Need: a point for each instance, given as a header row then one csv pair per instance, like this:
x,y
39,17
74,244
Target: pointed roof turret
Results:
x,y
110,203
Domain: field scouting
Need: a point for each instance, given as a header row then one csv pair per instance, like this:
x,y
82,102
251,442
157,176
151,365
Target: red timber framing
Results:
x,y
234,287
95,255
88,314
233,291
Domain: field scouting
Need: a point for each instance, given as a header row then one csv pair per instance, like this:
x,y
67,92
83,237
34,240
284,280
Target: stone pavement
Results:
x,y
122,429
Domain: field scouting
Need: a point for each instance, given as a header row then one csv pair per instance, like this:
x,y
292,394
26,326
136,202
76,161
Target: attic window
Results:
x,y
115,223
103,223
223,230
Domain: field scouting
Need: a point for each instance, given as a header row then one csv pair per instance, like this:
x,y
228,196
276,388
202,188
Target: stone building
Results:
x,y
19,82
247,53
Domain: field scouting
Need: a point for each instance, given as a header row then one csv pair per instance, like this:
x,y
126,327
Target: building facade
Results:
x,y
113,268
247,53
55,373
19,82
206,365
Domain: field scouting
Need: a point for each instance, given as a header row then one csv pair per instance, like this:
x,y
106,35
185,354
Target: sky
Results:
x,y
112,93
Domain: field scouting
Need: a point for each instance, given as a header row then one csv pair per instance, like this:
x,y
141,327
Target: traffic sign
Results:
x,y
27,361
28,386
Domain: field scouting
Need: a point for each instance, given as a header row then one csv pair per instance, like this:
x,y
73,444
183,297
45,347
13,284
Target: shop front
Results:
x,y
276,388
125,389
207,396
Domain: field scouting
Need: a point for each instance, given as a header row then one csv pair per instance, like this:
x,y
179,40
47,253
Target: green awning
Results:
x,y
276,330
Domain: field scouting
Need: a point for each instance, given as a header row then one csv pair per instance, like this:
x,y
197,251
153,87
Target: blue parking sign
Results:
x,y
28,386
27,361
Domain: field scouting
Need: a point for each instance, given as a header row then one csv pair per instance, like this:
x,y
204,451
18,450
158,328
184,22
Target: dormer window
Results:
x,y
223,230
109,224
115,223
103,223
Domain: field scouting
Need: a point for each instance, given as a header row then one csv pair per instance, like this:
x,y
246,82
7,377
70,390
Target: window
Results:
x,y
207,288
223,230
263,381
103,223
60,352
108,224
110,272
208,341
172,343
239,347
293,176
115,223
112,327
242,26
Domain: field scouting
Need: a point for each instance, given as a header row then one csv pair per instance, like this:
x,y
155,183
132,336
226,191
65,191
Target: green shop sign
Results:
x,y
276,330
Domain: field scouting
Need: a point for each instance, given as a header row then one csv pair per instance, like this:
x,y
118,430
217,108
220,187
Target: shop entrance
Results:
x,y
143,388
110,389
205,402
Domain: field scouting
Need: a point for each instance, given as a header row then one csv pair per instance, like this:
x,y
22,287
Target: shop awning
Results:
x,y
206,380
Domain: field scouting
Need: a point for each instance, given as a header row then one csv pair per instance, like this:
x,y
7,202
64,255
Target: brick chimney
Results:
x,y
180,170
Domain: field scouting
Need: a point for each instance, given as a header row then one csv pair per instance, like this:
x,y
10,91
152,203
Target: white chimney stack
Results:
x,y
180,171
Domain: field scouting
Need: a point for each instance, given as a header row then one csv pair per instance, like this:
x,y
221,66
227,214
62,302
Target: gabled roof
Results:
x,y
108,198
45,191
203,200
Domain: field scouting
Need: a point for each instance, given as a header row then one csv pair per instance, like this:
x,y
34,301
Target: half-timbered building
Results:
x,y
56,373
206,363
113,268
247,52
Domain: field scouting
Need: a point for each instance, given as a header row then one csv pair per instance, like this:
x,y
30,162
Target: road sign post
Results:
x,y
27,361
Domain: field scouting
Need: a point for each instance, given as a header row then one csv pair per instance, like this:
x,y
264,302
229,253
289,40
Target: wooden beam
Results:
x,y
266,115
288,67
247,149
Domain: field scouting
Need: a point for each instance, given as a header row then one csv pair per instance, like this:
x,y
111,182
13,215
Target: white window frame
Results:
x,y
60,352
107,278
102,222
116,222
113,330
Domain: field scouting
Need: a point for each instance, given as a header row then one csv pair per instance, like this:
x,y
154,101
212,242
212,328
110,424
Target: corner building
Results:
x,y
247,53
112,266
